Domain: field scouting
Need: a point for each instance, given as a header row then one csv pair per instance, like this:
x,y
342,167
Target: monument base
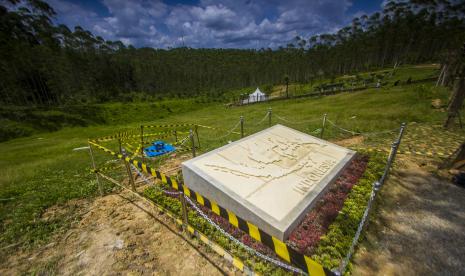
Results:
x,y
271,178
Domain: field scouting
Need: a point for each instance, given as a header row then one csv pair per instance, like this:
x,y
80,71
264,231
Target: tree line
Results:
x,y
42,63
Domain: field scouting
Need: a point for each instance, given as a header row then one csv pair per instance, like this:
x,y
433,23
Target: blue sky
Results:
x,y
209,23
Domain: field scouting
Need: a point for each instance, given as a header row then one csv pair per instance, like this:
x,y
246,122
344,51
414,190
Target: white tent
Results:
x,y
256,96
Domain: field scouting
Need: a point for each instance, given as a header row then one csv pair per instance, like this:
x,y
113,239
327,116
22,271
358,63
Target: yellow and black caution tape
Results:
x,y
119,135
129,147
124,136
279,247
167,126
235,261
163,134
215,128
137,151
105,168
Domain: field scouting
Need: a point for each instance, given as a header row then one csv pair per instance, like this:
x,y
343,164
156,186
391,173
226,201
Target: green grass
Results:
x,y
402,73
43,170
23,121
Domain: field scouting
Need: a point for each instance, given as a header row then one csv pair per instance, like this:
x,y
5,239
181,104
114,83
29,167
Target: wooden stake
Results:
x,y
128,168
100,190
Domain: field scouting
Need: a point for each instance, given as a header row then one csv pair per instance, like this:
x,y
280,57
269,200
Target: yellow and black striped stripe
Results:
x,y
279,247
167,126
235,261
210,127
119,135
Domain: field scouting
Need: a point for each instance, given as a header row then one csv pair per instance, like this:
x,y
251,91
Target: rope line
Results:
x,y
261,121
180,143
230,131
361,133
216,128
235,261
295,122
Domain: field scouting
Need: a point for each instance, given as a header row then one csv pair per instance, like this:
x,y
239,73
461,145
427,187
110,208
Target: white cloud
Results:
x,y
210,23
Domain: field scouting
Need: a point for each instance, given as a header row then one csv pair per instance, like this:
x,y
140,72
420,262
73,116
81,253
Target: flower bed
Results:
x,y
335,244
326,231
307,235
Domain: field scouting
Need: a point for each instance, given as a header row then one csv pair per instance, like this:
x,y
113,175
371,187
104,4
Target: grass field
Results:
x,y
43,170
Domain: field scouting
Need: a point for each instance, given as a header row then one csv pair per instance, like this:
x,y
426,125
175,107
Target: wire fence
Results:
x,y
236,241
262,120
361,133
296,122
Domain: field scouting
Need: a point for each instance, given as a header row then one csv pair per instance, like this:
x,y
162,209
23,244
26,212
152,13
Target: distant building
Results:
x,y
257,96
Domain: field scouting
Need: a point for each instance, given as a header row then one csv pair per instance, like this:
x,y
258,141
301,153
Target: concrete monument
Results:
x,y
271,178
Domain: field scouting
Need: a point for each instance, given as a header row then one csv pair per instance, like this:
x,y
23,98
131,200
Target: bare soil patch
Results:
x,y
118,234
419,228
352,141
278,90
173,164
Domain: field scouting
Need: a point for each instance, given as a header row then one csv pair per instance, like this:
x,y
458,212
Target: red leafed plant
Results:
x,y
315,224
306,236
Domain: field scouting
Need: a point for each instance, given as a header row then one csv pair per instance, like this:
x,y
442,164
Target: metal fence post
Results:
x,y
128,168
376,186
269,116
197,135
175,135
392,155
242,126
191,135
99,185
323,127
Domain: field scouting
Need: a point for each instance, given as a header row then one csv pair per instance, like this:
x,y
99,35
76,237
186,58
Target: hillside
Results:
x,y
21,121
43,170
48,64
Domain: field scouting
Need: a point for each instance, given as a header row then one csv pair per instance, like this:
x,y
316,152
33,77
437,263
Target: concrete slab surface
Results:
x,y
271,178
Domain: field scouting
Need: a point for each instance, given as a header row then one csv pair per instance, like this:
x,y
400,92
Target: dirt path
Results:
x,y
419,230
117,236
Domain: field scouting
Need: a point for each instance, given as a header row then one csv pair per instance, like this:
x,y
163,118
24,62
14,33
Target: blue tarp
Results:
x,y
158,148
